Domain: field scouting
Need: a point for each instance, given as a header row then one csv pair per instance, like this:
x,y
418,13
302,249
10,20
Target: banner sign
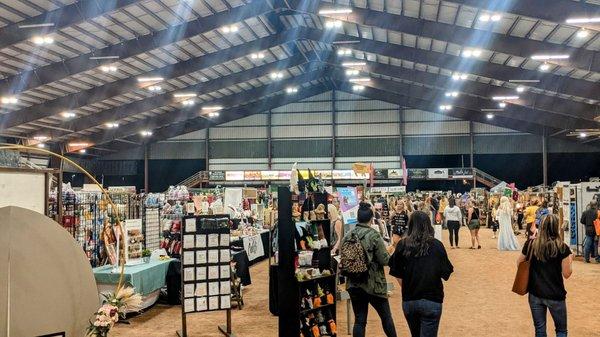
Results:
x,y
378,189
234,175
216,175
269,175
349,202
417,173
397,189
380,174
437,173
252,175
253,245
461,173
394,173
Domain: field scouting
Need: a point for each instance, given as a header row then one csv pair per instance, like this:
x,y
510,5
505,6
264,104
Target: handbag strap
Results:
x,y
529,251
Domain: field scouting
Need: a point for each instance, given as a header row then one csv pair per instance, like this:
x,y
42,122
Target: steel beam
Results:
x,y
468,37
56,71
62,17
165,99
199,123
391,94
548,81
516,113
128,84
131,130
551,10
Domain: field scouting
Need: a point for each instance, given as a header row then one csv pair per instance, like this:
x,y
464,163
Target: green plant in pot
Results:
x,y
146,255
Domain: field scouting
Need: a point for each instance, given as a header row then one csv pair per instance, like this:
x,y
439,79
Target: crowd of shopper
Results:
x,y
420,263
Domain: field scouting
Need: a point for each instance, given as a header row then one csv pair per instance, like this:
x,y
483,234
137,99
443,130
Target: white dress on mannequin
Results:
x,y
506,239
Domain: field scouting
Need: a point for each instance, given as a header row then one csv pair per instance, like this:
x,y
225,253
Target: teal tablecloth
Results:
x,y
145,278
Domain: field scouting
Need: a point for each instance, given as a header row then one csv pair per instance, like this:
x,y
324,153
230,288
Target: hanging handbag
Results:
x,y
522,278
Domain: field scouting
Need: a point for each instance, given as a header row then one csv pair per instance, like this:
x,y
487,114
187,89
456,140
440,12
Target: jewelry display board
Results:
x,y
205,267
152,228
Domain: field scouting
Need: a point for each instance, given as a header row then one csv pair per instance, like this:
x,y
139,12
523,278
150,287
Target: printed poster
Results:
x,y
348,197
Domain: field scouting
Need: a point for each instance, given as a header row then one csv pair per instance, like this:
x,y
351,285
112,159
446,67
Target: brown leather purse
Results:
x,y
522,278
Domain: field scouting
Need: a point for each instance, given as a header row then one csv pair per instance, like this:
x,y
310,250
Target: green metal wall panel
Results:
x,y
305,148
238,149
362,147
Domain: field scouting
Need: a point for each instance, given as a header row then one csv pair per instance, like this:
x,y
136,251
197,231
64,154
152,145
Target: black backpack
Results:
x,y
354,262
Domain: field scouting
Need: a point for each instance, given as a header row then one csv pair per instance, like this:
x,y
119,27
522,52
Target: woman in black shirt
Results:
x,y
551,261
399,222
420,263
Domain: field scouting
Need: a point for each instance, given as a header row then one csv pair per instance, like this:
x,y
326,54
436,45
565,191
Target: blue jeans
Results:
x,y
423,317
558,311
590,248
360,304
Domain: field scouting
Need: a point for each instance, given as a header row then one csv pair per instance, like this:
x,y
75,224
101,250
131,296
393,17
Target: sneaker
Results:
x,y
587,261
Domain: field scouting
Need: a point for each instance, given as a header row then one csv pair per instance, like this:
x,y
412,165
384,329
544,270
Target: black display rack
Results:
x,y
312,310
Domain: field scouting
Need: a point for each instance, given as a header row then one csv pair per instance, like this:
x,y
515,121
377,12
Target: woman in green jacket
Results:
x,y
373,290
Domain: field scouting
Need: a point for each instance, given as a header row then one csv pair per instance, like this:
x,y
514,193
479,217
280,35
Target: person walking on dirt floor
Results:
x,y
588,217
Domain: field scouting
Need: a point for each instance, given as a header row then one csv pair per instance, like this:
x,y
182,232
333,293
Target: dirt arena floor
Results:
x,y
478,303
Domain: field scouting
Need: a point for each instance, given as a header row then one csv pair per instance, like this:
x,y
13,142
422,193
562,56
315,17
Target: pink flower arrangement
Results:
x,y
114,307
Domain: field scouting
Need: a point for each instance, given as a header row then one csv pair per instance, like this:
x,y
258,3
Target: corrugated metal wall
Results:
x,y
365,130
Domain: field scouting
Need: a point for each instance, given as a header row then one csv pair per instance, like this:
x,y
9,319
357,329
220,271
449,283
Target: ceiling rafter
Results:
x,y
467,37
97,94
62,17
143,44
548,81
164,99
234,108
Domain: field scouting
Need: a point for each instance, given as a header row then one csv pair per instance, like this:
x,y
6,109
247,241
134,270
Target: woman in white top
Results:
x,y
507,239
336,227
453,218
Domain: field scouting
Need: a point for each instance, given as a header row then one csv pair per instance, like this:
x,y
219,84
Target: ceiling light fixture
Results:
x,y
358,87
360,79
212,108
488,17
504,98
353,64
230,29
291,90
186,94
583,34
43,40
41,145
213,114
451,94
490,116
520,89
544,67
189,102
277,75
331,11
502,105
549,57
112,125
496,17
524,81
110,57
352,72
582,135
9,100
583,20
82,151
108,69
146,133
150,79
445,107
41,138
79,144
154,88
68,114
471,53
257,56
459,77
37,25
331,24
344,52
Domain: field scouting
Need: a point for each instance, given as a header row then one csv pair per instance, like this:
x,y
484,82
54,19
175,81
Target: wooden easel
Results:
x,y
226,330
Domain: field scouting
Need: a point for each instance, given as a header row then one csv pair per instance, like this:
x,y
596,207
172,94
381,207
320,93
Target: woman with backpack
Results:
x,y
420,263
363,256
551,261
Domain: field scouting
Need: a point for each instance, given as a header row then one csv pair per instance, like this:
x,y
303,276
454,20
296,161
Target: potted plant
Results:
x,y
146,255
